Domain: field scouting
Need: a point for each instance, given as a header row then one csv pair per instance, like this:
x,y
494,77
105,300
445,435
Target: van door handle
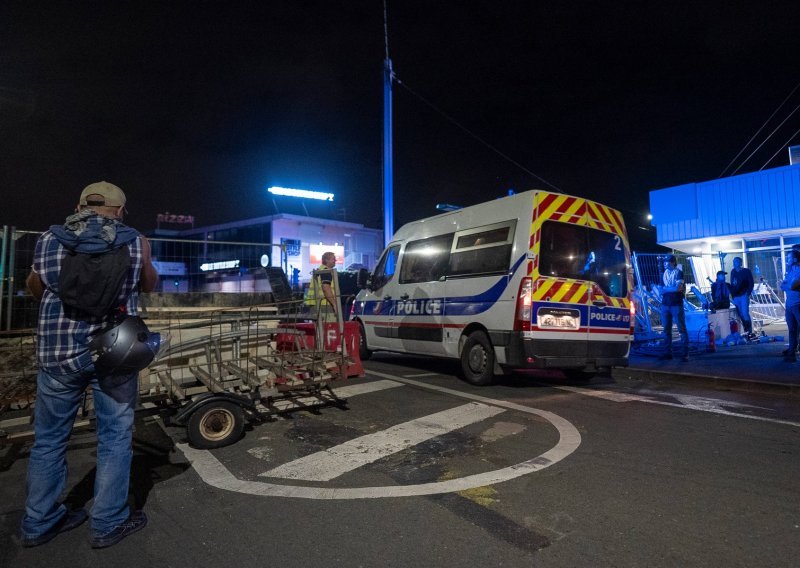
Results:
x,y
387,297
599,303
404,297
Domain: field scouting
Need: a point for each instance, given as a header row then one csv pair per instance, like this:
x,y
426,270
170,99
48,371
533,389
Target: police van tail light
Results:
x,y
633,312
522,319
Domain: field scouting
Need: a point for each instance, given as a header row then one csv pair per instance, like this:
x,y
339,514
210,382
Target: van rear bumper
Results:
x,y
526,353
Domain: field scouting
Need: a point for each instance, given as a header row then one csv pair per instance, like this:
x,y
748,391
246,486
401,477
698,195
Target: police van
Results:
x,y
532,280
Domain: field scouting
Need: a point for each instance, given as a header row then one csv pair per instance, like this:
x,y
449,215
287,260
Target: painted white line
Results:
x,y
690,402
365,388
421,375
333,462
348,391
217,475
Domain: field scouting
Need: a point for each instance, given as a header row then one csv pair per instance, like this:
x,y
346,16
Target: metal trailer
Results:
x,y
222,369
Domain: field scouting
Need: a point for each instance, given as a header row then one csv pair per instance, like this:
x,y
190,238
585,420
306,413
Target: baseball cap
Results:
x,y
671,258
721,272
112,195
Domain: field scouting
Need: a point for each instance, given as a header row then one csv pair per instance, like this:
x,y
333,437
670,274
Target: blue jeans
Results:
x,y
742,304
676,313
793,323
58,398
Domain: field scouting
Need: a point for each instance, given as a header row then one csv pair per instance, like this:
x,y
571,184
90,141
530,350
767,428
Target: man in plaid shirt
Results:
x,y
66,369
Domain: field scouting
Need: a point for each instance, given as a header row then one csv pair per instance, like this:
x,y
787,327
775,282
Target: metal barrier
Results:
x,y
185,267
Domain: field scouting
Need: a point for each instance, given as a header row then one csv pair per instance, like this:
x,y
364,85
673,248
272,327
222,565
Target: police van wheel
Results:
x,y
215,425
363,351
477,360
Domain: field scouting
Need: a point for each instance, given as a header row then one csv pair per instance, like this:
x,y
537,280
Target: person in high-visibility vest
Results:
x,y
323,282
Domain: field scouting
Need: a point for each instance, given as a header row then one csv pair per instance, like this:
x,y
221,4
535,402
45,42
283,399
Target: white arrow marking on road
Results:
x,y
333,462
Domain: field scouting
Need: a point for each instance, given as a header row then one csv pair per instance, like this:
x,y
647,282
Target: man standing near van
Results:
x,y
321,297
672,293
741,287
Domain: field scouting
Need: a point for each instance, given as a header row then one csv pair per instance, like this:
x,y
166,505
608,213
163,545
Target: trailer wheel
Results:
x,y
215,425
364,352
477,360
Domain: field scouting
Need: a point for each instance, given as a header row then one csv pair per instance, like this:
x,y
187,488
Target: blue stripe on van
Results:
x,y
456,306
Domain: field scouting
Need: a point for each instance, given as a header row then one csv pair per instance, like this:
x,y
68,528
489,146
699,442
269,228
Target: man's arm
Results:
x,y
149,275
327,291
35,285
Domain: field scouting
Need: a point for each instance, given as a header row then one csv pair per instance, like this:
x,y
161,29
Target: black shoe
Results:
x,y
69,521
137,521
666,357
685,358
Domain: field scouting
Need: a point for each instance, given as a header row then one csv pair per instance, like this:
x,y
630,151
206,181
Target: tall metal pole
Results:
x,y
388,170
2,269
11,260
388,189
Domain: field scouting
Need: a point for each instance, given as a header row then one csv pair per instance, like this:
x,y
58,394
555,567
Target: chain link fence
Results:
x,y
190,272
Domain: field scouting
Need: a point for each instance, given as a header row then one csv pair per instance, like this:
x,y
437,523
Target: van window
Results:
x,y
386,267
481,251
583,253
426,260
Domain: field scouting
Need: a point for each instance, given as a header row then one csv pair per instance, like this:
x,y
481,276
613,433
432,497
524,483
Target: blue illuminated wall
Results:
x,y
748,203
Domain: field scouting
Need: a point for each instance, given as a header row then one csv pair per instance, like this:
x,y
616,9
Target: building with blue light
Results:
x,y
755,216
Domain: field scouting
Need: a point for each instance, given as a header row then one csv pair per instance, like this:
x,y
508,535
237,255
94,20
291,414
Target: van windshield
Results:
x,y
583,253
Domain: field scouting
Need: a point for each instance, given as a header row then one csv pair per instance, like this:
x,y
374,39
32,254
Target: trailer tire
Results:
x,y
477,360
364,352
215,425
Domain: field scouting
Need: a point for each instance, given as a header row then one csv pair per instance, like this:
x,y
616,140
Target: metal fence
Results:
x,y
186,267
699,271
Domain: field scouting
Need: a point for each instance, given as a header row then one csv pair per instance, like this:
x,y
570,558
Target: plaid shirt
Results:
x,y
63,343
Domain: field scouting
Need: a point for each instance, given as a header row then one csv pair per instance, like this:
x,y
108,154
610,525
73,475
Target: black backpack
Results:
x,y
91,283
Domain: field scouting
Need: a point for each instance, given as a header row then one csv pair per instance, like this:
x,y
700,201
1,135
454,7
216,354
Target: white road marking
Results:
x,y
365,388
333,462
421,375
217,475
715,406
342,392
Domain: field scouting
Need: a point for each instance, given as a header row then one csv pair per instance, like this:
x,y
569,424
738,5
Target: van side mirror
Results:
x,y
362,279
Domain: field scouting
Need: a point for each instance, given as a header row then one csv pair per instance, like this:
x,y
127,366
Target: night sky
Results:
x,y
197,107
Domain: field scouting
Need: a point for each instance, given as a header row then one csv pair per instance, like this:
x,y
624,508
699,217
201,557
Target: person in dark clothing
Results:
x,y
720,292
741,287
67,368
672,294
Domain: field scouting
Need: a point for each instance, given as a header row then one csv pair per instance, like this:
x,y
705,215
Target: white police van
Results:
x,y
533,280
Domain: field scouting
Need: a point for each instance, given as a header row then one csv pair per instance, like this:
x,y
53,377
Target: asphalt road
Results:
x,y
423,470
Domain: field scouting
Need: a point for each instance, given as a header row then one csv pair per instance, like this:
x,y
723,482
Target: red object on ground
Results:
x,y
734,326
712,346
332,342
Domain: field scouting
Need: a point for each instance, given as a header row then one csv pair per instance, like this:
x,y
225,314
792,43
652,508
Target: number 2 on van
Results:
x,y
533,280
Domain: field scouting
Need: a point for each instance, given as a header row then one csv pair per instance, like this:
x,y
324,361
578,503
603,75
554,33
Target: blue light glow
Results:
x,y
304,193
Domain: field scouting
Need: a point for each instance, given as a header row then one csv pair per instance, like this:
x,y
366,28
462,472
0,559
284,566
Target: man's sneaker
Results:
x,y
69,521
665,357
135,522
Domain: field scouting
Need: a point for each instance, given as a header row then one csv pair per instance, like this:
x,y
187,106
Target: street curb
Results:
x,y
716,382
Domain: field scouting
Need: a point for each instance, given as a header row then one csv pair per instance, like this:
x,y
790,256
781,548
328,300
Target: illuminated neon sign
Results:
x,y
304,193
219,265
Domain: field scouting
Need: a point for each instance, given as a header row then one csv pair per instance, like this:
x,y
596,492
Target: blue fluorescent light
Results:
x,y
305,193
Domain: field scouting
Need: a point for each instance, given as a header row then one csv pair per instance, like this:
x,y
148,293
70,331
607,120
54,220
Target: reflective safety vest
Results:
x,y
315,290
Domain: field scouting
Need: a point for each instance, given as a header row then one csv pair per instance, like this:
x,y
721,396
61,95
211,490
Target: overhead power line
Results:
x,y
785,144
475,136
736,157
766,139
